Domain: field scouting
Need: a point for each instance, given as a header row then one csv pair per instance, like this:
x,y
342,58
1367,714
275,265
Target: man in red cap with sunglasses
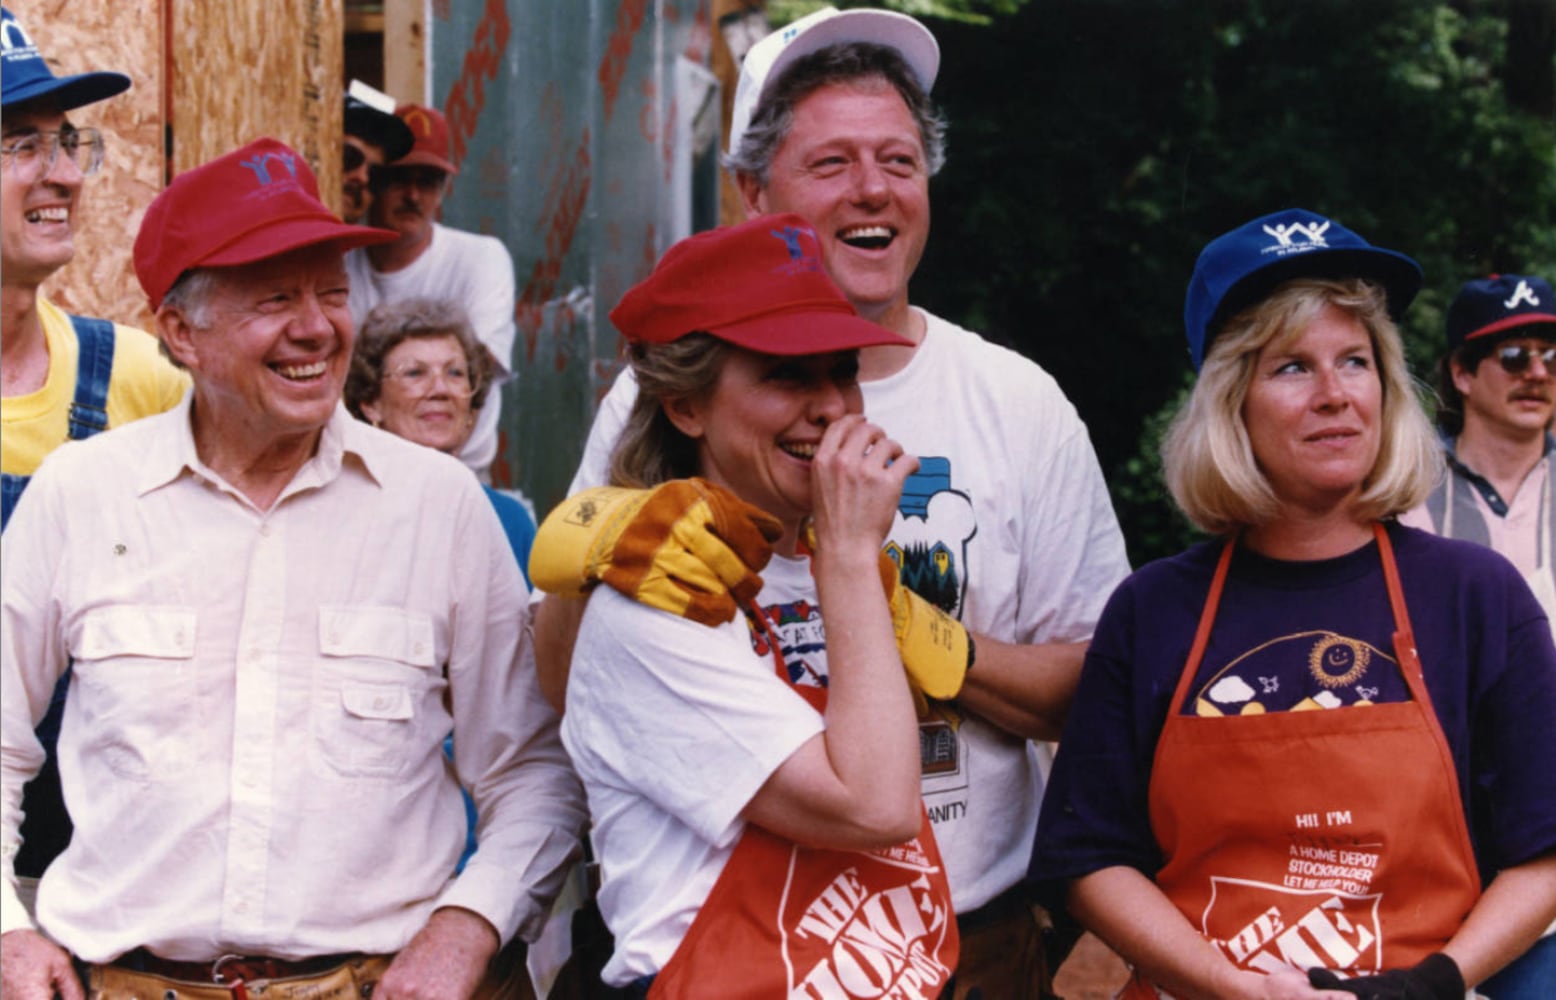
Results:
x,y
275,614
433,261
1497,384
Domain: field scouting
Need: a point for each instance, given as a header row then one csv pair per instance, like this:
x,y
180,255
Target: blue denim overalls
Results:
x,y
45,825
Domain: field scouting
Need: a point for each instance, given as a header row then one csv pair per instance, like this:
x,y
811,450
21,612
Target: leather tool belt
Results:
x,y
141,974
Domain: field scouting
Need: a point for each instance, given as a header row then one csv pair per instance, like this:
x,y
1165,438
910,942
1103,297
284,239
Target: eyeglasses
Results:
x,y
34,154
351,158
1515,359
418,378
425,178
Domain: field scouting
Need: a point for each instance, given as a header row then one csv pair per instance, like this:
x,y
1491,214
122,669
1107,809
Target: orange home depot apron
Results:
x,y
786,921
1324,838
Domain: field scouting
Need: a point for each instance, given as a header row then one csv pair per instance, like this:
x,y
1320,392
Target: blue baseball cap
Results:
x,y
1502,303
1239,268
25,75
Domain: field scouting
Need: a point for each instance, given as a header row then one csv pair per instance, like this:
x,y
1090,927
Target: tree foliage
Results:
x,y
1096,145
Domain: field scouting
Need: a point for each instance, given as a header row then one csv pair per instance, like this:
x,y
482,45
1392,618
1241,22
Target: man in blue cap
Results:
x,y
63,377
1497,383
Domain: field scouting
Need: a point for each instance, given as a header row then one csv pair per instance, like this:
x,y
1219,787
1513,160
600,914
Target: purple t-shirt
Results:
x,y
1310,634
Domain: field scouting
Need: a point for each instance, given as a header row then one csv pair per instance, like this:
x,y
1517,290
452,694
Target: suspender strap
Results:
x,y
89,408
10,491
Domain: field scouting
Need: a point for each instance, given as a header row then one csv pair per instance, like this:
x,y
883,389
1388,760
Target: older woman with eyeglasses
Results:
x,y
417,371
1312,756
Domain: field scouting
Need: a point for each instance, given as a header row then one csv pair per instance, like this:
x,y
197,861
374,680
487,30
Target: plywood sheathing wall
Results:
x,y
122,35
249,68
240,69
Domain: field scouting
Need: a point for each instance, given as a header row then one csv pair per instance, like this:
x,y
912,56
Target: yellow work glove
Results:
x,y
687,547
933,645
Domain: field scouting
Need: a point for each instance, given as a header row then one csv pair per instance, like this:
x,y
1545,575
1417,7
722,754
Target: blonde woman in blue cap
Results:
x,y
1309,757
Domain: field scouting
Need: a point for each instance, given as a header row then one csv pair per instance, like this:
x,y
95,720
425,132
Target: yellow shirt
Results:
x,y
143,383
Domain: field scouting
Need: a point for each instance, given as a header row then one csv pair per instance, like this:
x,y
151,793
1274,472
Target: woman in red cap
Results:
x,y
753,776
1310,757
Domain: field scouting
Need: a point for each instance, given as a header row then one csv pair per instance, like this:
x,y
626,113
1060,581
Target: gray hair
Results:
x,y
843,63
392,323
191,295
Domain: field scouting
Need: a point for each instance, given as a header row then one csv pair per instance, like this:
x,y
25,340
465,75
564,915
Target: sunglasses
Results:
x,y
351,157
1515,359
423,178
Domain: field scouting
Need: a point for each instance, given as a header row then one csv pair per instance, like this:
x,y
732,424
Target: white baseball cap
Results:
x,y
828,26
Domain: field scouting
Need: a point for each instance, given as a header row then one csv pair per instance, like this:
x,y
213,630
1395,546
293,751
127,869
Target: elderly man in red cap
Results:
x,y
275,614
429,260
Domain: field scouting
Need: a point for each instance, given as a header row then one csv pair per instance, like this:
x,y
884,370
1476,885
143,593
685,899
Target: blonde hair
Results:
x,y
1207,457
651,449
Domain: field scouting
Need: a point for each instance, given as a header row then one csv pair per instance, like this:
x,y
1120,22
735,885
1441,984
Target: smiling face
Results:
x,y
758,428
37,214
360,157
1510,406
425,393
853,164
271,358
1312,412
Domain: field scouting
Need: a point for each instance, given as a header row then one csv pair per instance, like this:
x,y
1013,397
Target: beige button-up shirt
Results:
x,y
251,743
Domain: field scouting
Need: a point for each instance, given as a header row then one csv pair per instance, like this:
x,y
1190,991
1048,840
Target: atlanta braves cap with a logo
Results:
x,y
430,130
254,203
24,74
1502,303
759,285
767,60
370,117
1239,268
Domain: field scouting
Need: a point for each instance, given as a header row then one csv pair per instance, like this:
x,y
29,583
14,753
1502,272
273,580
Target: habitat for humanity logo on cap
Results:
x,y
801,259
256,202
1242,267
274,169
1287,236
25,74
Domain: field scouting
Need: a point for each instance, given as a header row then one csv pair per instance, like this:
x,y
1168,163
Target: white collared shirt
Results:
x,y
251,743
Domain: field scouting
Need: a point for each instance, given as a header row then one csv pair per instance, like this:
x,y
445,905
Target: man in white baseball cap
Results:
x,y
1007,527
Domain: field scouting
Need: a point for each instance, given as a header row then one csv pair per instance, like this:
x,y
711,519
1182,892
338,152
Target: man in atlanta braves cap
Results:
x,y
276,613
1497,392
1006,527
62,377
434,261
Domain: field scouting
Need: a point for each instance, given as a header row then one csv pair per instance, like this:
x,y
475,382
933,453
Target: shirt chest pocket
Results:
x,y
377,704
134,691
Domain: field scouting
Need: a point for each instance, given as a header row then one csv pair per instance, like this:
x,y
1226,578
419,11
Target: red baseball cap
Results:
x,y
254,203
759,285
431,131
